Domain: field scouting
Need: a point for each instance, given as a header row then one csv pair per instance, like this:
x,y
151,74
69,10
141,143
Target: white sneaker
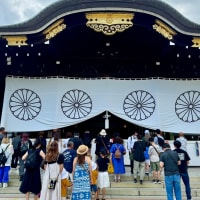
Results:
x,y
159,182
5,185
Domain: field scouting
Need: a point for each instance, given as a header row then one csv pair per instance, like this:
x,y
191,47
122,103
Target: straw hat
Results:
x,y
82,149
103,132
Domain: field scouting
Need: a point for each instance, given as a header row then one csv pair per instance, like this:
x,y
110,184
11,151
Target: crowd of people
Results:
x,y
154,151
59,164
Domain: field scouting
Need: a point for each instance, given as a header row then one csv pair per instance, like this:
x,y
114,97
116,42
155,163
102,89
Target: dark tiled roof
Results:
x,y
62,7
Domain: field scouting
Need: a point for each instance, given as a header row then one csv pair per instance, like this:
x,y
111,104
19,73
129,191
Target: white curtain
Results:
x,y
34,104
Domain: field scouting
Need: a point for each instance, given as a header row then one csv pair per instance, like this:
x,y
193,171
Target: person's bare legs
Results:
x,y
155,175
118,178
96,195
27,195
103,193
158,175
98,192
35,196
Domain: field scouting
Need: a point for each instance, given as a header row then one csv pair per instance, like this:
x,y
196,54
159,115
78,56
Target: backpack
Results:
x,y
118,153
3,158
31,160
160,141
24,148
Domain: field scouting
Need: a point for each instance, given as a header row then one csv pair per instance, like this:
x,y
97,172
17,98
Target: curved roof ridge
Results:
x,y
173,10
59,9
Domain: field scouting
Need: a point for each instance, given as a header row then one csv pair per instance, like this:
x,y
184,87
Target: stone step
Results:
x,y
126,184
124,177
136,190
107,198
126,189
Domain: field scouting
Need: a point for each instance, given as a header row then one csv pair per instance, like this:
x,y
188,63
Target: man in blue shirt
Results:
x,y
69,155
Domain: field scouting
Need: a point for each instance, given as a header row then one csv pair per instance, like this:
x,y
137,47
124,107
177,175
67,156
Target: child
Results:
x,y
65,183
103,177
94,178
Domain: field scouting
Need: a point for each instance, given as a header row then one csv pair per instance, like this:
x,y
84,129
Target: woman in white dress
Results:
x,y
53,168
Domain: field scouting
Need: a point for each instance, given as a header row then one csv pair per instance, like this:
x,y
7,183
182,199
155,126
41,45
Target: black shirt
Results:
x,y
103,164
60,160
184,158
102,144
138,149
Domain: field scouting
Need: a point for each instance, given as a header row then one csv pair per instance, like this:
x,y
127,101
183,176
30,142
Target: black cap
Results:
x,y
2,129
103,152
177,144
151,139
165,145
158,131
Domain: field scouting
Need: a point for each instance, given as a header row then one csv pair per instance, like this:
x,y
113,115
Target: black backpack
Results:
x,y
160,141
3,158
24,147
31,160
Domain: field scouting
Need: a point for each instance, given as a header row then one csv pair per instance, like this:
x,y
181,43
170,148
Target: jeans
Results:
x,y
21,167
131,161
173,185
186,182
4,174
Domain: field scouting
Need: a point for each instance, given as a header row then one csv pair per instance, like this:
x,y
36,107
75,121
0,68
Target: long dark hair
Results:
x,y
52,152
37,142
118,140
81,159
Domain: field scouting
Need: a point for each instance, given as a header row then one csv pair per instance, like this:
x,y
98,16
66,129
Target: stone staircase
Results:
x,y
126,189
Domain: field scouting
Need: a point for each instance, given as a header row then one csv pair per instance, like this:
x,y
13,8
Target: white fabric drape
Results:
x,y
34,104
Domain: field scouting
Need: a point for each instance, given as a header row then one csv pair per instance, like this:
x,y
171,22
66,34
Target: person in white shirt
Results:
x,y
130,143
7,147
183,141
154,155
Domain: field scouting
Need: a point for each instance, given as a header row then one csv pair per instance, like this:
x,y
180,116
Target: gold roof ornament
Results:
x,y
18,40
196,42
164,30
109,23
54,29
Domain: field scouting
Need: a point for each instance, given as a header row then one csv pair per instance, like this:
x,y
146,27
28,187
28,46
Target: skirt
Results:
x,y
103,180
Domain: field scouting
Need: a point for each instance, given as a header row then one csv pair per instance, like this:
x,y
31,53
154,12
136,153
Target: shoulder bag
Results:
x,y
107,151
156,150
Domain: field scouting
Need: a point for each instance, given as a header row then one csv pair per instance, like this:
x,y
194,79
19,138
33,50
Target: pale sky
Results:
x,y
17,11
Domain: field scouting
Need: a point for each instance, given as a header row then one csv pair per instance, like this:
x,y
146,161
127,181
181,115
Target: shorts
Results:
x,y
155,166
65,183
93,188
